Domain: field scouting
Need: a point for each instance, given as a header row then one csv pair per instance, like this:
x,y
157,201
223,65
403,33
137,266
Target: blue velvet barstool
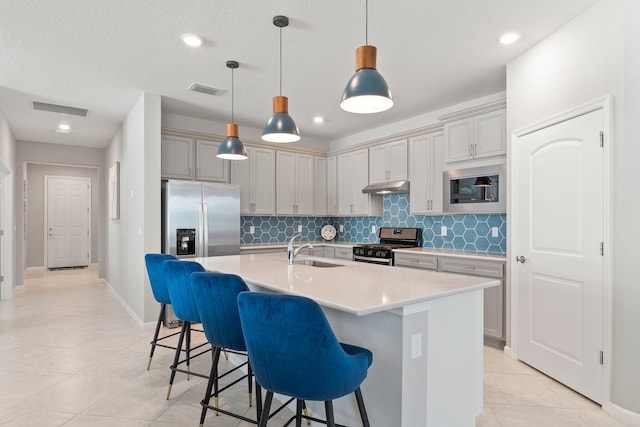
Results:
x,y
216,297
294,352
177,277
155,270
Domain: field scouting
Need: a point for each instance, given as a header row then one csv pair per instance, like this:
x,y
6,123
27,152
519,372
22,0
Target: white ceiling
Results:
x,y
102,55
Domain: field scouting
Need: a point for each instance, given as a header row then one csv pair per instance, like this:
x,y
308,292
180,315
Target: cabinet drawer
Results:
x,y
416,260
344,253
475,267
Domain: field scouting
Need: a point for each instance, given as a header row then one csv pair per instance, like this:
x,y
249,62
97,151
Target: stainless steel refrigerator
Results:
x,y
200,219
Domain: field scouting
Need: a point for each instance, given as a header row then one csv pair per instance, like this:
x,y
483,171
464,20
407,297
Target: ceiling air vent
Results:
x,y
62,109
197,87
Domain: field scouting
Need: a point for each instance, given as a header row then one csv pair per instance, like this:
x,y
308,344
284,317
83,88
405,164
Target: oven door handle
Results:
x,y
372,260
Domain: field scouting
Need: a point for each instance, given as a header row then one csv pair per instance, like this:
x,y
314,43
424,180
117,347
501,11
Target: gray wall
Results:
x,y
36,152
7,203
35,241
584,60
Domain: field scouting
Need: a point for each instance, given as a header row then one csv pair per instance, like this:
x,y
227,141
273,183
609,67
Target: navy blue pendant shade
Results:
x,y
367,91
280,127
231,147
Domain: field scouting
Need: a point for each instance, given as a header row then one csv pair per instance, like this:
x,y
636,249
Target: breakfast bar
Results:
x,y
425,330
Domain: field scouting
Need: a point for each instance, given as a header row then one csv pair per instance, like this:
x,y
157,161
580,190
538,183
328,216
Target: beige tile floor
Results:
x,y
70,355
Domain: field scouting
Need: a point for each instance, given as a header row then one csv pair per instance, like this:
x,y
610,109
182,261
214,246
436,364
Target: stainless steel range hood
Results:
x,y
387,187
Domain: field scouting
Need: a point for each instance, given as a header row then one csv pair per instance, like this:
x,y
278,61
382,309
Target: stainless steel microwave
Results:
x,y
475,190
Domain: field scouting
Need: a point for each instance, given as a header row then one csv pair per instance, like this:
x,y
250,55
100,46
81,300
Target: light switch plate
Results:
x,y
443,230
495,232
252,229
299,228
341,228
416,346
373,229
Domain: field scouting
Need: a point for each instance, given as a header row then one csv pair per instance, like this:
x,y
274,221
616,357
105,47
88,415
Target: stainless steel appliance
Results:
x,y
199,219
475,190
390,239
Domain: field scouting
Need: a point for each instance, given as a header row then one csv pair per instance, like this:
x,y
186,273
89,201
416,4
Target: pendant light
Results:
x,y
232,148
281,127
367,91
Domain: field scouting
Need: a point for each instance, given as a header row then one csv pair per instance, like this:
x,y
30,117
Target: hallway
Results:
x,y
71,355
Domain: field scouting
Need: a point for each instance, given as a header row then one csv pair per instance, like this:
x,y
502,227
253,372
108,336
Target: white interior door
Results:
x,y
67,221
559,181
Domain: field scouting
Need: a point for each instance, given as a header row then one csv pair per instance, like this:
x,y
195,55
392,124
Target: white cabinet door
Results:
x,y
177,157
459,137
304,184
242,175
436,163
397,160
476,137
294,184
345,184
264,181
426,163
359,180
320,169
490,134
256,178
388,162
378,164
285,183
419,193
208,166
332,185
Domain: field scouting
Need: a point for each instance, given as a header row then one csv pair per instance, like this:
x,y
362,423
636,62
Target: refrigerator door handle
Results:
x,y
200,250
205,229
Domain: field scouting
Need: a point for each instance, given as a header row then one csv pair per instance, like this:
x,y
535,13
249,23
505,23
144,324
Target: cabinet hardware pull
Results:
x,y
521,259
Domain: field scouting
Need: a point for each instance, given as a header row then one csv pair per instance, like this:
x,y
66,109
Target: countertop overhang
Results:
x,y
356,288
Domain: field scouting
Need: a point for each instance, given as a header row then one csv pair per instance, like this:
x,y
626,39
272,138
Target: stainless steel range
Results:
x,y
390,239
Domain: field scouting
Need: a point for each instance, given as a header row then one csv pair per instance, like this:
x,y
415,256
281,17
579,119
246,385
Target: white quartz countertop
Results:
x,y
284,245
355,287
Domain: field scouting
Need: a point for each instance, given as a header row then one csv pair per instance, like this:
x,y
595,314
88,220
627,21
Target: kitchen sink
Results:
x,y
316,263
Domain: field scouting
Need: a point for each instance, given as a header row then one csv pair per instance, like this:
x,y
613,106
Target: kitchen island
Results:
x,y
424,328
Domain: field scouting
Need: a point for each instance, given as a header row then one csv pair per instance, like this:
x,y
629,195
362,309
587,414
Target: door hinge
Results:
x,y
602,248
1,278
1,232
602,357
601,139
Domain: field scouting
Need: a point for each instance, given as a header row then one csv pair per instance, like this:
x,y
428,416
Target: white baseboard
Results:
x,y
628,417
39,268
142,325
508,352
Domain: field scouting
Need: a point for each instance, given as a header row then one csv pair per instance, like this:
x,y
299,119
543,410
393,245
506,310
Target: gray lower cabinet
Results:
x,y
494,311
343,252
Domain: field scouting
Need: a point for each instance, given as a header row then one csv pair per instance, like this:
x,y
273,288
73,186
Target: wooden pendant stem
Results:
x,y
280,104
232,129
366,57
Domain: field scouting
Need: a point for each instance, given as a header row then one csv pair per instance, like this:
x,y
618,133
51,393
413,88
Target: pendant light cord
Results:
x,y
366,22
280,61
232,96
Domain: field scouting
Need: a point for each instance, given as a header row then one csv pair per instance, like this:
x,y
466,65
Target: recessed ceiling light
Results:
x,y
64,126
191,40
318,119
509,38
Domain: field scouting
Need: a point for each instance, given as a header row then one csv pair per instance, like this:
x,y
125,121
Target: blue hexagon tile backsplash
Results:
x,y
464,232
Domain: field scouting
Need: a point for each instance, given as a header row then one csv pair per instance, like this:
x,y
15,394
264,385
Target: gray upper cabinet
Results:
x,y
476,137
187,158
208,166
321,182
256,177
294,183
177,157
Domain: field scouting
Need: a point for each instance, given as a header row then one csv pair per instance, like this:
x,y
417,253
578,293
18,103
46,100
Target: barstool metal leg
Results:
x,y
328,408
258,402
188,349
264,417
250,384
298,413
155,336
361,408
215,355
176,359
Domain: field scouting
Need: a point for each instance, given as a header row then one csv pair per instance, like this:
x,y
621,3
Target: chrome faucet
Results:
x,y
291,253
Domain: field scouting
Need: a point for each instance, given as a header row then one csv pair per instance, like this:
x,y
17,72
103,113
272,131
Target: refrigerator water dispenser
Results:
x,y
186,241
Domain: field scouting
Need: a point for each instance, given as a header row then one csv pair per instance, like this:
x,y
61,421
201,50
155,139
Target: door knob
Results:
x,y
521,259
